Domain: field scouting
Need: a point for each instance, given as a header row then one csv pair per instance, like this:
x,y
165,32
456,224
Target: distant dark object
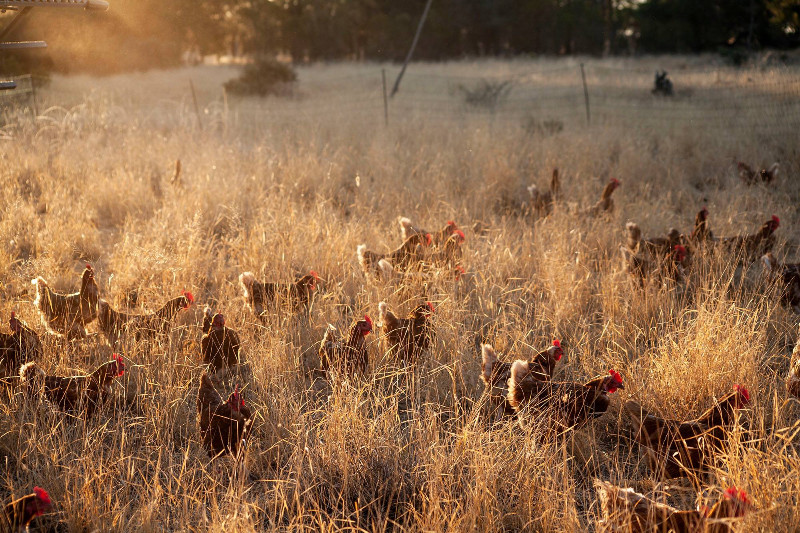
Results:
x,y
662,85
262,78
486,94
764,175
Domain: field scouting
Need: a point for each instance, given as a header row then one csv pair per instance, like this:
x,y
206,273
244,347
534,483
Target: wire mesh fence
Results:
x,y
537,99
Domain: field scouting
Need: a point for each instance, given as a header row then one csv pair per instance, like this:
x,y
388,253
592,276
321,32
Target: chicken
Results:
x,y
667,267
20,346
750,176
68,314
565,405
673,447
631,512
542,202
406,338
223,425
20,513
657,246
450,253
220,345
606,203
118,326
83,394
701,233
793,380
346,356
495,374
754,245
407,229
788,274
411,252
259,295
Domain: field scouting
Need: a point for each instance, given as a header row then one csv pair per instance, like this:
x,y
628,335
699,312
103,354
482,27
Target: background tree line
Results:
x,y
139,34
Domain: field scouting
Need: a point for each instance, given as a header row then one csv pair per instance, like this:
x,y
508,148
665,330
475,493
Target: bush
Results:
x,y
486,94
262,78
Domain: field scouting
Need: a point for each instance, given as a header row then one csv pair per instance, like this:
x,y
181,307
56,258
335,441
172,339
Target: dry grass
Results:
x,y
280,195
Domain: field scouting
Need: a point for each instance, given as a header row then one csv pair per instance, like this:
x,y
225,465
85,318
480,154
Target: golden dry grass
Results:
x,y
280,193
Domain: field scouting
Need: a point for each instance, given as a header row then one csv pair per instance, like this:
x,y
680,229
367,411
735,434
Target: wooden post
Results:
x,y
411,50
385,99
585,96
196,107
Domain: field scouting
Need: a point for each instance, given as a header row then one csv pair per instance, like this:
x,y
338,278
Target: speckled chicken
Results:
x,y
348,356
259,295
406,338
118,326
220,345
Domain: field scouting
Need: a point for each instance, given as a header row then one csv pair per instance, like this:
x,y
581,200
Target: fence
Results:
x,y
564,95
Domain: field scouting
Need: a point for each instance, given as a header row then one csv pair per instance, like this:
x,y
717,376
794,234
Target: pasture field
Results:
x,y
285,185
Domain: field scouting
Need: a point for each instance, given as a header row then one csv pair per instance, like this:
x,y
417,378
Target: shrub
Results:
x,y
262,78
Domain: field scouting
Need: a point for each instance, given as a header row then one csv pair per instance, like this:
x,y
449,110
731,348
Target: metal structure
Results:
x,y
21,8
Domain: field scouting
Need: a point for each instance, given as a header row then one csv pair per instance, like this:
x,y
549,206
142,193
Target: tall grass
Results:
x,y
282,197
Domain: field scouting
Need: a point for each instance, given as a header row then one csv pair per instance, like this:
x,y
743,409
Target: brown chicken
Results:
x,y
410,253
656,246
752,246
20,346
407,229
18,514
764,175
259,295
542,202
68,314
674,448
118,326
667,267
564,405
793,380
449,254
788,274
629,511
83,394
224,425
406,338
606,203
220,345
348,356
701,233
495,374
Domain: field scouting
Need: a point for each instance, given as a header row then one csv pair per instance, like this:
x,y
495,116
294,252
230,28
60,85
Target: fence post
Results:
x,y
586,96
385,99
196,107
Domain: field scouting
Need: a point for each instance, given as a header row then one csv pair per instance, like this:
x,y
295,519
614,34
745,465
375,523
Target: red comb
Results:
x,y
732,493
369,320
188,296
452,223
740,165
615,181
776,220
428,239
314,275
615,375
557,343
88,266
42,495
430,306
743,392
13,314
461,234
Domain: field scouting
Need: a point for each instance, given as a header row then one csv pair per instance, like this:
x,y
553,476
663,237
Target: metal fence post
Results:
x,y
586,96
385,99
